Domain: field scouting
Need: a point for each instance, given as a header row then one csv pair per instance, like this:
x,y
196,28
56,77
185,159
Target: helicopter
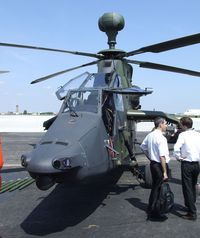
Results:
x,y
95,129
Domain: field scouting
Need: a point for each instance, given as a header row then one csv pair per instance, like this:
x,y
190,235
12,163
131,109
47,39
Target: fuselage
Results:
x,y
90,135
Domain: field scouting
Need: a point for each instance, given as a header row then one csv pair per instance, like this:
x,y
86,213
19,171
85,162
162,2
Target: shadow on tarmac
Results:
x,y
175,181
68,205
176,210
136,202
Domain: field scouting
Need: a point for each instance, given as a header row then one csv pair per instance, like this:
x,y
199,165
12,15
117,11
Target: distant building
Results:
x,y
192,112
17,109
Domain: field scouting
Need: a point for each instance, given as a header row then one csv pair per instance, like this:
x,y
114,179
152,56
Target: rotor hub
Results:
x,y
111,23
112,53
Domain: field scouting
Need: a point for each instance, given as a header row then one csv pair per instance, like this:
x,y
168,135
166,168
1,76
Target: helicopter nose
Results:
x,y
62,163
51,158
25,158
72,157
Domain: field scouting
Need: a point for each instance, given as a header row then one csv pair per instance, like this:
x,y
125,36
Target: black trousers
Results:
x,y
157,177
189,174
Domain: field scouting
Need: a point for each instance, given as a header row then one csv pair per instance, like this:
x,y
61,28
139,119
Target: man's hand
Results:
x,y
165,177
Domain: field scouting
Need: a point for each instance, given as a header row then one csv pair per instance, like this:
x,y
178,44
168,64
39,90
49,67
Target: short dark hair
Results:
x,y
186,121
158,121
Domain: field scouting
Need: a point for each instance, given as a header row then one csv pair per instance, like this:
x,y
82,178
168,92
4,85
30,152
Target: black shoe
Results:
x,y
184,209
189,216
153,217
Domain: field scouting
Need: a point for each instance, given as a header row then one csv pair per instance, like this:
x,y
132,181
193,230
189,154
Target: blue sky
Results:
x,y
73,25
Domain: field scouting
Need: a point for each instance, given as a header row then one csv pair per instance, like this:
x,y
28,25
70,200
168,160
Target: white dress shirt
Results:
x,y
187,147
155,144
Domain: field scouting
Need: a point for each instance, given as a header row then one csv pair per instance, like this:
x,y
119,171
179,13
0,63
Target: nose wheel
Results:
x,y
143,174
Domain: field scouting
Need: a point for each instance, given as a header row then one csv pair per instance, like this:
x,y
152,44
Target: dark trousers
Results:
x,y
157,177
189,174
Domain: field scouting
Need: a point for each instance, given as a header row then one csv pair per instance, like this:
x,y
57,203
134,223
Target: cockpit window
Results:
x,y
82,101
84,81
102,79
118,98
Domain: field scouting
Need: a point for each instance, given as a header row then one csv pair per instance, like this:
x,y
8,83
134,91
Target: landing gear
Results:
x,y
138,174
147,176
143,175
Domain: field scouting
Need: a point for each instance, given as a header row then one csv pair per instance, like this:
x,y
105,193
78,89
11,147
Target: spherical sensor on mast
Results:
x,y
111,23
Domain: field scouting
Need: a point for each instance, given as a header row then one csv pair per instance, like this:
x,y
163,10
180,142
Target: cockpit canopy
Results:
x,y
86,92
82,100
85,80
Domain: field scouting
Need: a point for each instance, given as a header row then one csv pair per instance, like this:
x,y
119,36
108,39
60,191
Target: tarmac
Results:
x,y
114,207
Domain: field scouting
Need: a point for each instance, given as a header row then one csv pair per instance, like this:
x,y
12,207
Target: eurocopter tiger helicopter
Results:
x,y
95,129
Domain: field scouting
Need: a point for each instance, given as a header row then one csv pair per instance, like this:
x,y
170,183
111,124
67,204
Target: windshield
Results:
x,y
85,101
83,81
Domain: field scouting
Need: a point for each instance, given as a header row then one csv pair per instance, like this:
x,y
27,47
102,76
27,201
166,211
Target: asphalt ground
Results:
x,y
113,207
15,144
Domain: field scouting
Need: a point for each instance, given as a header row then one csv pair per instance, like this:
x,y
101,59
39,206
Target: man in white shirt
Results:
x,y
156,149
187,150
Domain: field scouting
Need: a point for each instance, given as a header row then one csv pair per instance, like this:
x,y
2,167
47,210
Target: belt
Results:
x,y
154,162
189,162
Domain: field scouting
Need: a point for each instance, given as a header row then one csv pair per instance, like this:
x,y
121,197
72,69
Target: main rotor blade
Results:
x,y
4,71
62,72
166,45
98,56
163,67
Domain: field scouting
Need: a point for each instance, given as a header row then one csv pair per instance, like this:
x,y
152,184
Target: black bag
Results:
x,y
165,199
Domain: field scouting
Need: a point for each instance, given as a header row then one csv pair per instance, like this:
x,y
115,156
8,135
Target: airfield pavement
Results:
x,y
112,208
